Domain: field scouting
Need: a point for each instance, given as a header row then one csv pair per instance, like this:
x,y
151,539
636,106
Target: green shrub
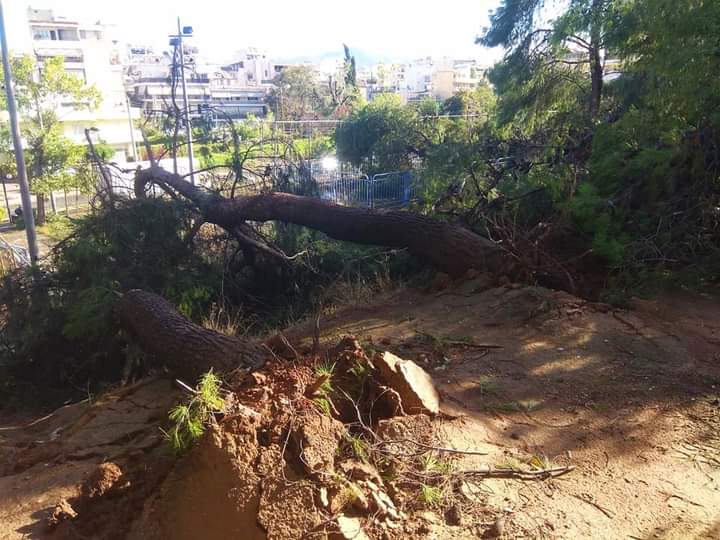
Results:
x,y
58,326
189,419
58,227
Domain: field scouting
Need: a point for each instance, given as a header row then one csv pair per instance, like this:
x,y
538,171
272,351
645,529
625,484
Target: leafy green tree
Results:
x,y
671,51
343,95
349,68
41,91
383,135
297,94
480,101
656,159
550,61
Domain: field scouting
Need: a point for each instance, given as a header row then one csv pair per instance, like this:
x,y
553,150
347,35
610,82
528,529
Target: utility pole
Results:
x,y
187,31
132,128
28,216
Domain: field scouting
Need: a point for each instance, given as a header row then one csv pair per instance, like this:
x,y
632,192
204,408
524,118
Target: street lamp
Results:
x,y
176,41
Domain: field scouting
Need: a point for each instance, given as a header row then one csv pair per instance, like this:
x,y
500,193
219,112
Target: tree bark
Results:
x,y
448,247
596,67
41,215
187,349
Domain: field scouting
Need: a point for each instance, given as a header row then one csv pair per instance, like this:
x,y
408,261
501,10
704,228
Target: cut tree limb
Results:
x,y
187,349
448,247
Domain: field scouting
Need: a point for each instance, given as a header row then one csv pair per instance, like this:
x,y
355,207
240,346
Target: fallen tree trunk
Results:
x,y
448,247
187,349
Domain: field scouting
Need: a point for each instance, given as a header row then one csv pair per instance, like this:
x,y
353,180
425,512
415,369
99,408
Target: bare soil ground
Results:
x,y
628,397
529,376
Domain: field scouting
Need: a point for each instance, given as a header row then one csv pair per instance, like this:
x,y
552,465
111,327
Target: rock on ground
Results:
x,y
415,386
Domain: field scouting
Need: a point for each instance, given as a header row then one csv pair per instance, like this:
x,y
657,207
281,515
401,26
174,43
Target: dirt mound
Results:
x,y
290,457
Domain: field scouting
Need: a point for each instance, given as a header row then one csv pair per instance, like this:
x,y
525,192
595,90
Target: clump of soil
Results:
x,y
281,465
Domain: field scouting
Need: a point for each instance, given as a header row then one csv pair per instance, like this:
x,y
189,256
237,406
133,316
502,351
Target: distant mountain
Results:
x,y
363,58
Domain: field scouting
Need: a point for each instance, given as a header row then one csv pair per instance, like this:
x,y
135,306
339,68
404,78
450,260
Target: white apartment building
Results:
x,y
233,90
384,79
90,55
468,75
428,77
436,78
253,67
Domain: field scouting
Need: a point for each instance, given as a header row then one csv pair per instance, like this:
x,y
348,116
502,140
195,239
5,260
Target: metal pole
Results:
x,y
28,216
188,127
132,129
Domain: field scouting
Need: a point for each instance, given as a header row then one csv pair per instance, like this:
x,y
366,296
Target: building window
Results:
x,y
43,34
90,34
67,34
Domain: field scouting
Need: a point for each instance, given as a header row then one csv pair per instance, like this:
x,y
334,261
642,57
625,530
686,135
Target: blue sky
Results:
x,y
393,29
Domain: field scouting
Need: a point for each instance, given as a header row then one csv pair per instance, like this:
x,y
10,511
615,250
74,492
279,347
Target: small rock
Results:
x,y
372,486
384,504
413,384
323,496
348,528
62,512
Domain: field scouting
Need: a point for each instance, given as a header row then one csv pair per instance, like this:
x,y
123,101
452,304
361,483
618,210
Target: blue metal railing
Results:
x,y
384,190
340,184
